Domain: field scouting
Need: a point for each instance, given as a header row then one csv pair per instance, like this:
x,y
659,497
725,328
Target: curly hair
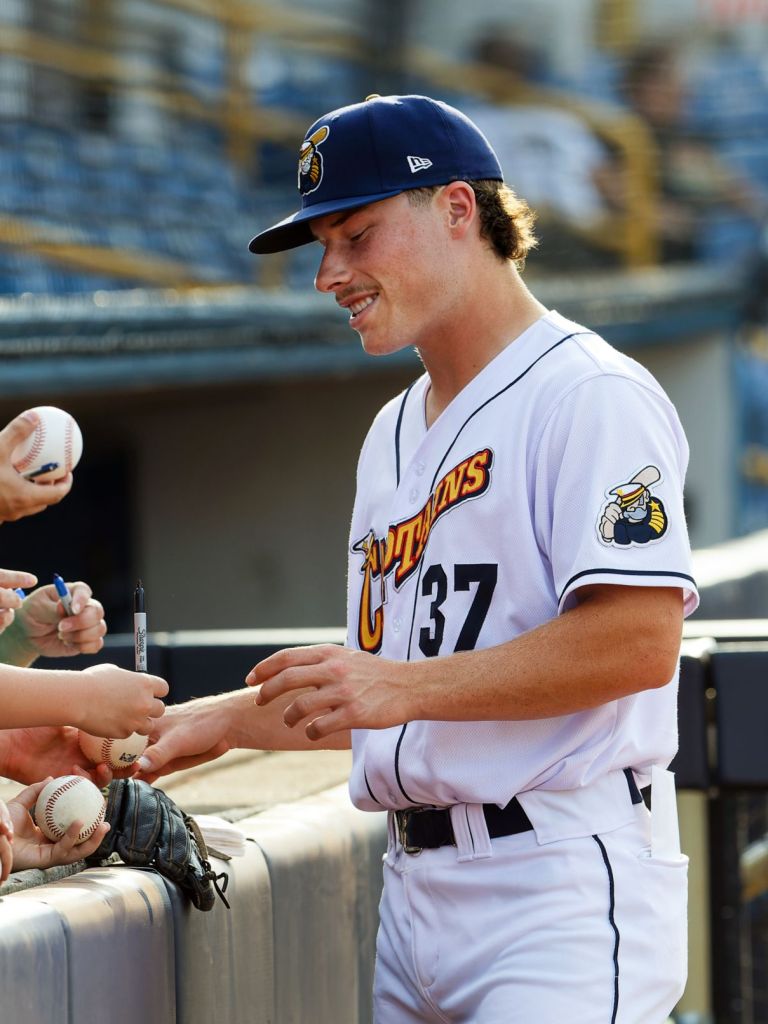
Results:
x,y
506,221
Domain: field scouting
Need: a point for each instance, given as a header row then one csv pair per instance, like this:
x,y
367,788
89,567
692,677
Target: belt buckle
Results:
x,y
402,818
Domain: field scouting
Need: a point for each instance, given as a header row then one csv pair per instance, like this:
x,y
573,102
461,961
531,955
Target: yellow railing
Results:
x,y
628,232
134,265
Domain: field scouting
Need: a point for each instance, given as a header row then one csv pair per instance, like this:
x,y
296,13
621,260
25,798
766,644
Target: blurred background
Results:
x,y
223,403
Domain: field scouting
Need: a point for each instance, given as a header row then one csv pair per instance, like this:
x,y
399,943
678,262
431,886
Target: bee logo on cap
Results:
x,y
311,161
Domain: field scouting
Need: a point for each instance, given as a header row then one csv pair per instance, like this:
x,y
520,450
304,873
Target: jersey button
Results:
x,y
413,495
420,467
396,624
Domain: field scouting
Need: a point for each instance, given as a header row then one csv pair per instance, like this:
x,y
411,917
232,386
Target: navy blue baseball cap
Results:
x,y
376,149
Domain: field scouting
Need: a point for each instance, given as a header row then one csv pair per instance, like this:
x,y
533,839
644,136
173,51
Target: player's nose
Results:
x,y
332,273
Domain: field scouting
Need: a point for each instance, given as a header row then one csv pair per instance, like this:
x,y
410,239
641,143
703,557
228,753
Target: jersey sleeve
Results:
x,y
609,472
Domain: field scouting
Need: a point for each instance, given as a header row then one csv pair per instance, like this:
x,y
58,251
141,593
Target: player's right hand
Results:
x,y
20,497
116,702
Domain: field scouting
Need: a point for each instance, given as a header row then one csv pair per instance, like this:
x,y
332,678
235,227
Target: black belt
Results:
x,y
427,828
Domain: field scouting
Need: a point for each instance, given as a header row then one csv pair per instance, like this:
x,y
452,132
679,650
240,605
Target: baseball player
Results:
x,y
519,571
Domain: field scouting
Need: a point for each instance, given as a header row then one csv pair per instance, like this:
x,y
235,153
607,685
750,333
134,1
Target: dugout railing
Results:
x,y
721,771
107,66
722,776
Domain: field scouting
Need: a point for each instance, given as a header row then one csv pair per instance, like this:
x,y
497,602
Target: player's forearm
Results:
x,y
33,697
586,657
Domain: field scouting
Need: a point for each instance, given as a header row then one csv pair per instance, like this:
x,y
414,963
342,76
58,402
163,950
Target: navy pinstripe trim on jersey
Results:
x,y
625,572
368,787
611,918
501,392
471,416
398,425
397,765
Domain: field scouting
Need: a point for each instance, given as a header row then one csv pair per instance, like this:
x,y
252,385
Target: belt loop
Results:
x,y
470,831
635,795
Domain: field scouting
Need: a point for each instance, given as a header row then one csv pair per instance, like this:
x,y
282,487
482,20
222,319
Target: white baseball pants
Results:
x,y
588,930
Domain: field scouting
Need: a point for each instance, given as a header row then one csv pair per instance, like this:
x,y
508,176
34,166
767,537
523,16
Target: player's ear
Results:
x,y
460,206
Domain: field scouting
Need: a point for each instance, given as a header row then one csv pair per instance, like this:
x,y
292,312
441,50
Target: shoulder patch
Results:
x,y
632,514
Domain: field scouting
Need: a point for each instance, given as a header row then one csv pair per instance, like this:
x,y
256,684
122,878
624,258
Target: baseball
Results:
x,y
67,799
56,441
114,753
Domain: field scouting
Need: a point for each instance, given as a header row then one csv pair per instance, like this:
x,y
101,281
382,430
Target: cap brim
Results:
x,y
295,230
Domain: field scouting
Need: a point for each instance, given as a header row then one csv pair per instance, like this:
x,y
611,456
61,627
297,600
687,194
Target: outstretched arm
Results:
x,y
103,700
203,729
574,662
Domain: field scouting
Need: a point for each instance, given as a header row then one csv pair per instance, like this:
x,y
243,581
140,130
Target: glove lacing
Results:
x,y
220,881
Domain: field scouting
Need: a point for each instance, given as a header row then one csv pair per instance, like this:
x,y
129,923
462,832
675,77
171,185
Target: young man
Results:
x,y
509,678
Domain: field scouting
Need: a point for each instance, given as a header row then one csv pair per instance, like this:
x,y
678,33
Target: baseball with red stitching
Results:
x,y
53,449
117,754
68,799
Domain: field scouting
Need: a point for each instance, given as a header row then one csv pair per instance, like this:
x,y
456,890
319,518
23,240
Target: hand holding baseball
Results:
x,y
26,754
117,702
20,497
32,848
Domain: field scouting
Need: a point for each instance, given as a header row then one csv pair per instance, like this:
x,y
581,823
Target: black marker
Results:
x,y
139,629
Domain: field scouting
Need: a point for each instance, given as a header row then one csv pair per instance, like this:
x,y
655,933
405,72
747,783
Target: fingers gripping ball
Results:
x,y
65,800
116,754
56,440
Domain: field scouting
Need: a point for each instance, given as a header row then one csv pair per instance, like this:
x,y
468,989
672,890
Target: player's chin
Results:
x,y
376,344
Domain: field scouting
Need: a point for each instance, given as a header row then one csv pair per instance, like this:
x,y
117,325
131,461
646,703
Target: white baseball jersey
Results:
x,y
561,464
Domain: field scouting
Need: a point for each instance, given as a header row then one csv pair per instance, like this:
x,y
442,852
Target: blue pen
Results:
x,y
47,468
64,595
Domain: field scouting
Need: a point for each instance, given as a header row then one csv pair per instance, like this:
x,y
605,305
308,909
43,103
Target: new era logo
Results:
x,y
418,163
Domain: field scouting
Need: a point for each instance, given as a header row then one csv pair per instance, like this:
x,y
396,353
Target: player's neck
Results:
x,y
498,311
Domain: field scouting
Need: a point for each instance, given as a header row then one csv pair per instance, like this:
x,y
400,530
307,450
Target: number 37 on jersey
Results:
x,y
400,555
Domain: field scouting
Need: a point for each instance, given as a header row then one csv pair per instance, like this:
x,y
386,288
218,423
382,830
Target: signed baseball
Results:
x,y
114,753
67,799
56,442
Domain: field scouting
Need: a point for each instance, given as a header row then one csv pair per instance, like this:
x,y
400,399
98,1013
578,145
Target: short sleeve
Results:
x,y
608,495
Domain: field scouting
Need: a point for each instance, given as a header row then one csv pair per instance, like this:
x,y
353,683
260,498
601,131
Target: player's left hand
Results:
x,y
45,628
351,689
31,849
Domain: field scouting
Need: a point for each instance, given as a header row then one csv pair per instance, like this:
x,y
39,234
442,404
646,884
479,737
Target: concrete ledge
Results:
x,y
303,902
